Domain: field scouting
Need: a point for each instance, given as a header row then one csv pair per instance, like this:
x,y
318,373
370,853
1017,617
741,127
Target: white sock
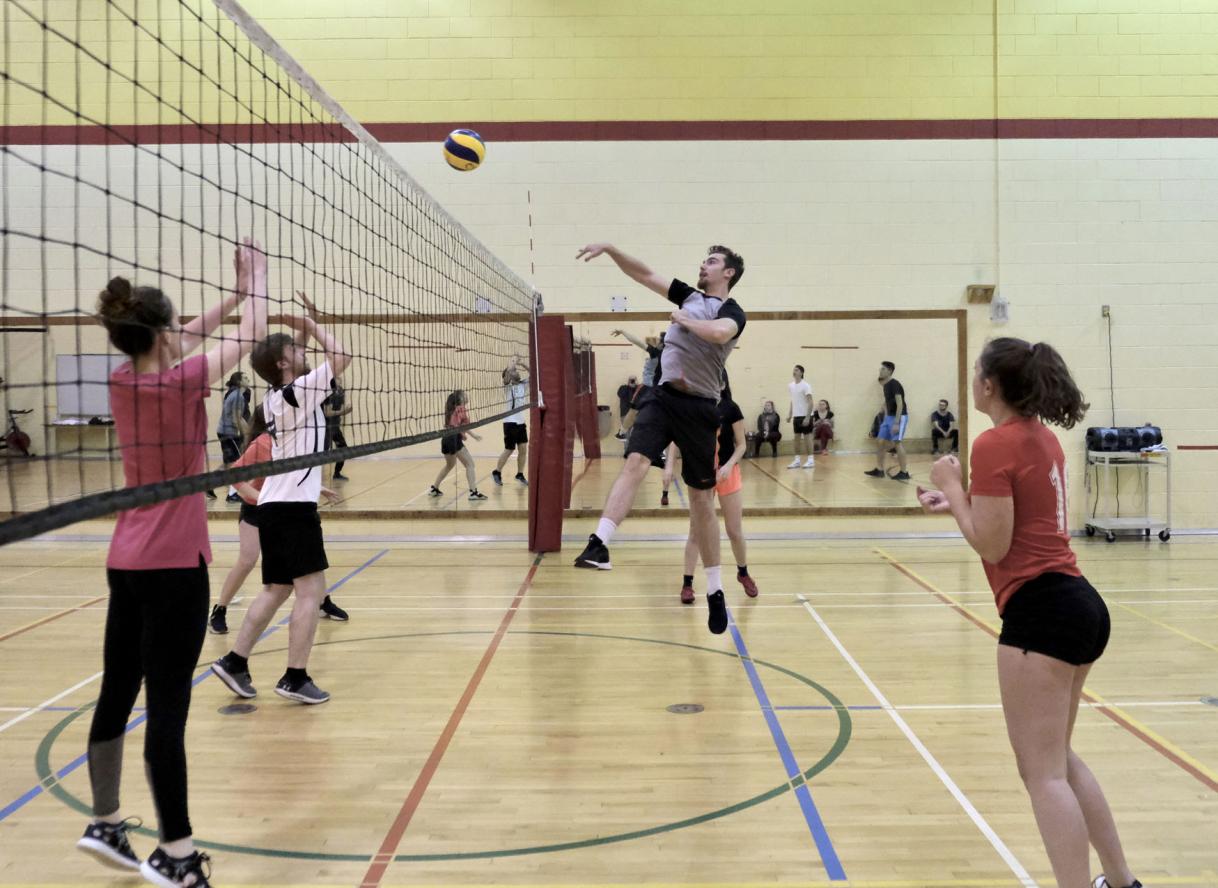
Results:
x,y
713,583
231,490
605,529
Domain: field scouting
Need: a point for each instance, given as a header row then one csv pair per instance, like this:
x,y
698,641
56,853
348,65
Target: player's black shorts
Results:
x,y
290,538
1059,616
230,449
803,425
451,444
514,433
249,514
692,422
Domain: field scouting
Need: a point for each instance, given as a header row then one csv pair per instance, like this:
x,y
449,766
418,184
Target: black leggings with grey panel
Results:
x,y
155,627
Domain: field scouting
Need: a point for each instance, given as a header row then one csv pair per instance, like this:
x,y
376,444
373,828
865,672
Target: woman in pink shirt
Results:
x,y
452,445
157,565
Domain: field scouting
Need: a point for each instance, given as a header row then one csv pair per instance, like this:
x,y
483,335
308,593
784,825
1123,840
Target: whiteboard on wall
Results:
x,y
82,383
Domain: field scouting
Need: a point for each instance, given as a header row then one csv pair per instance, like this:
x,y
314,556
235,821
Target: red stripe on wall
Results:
x,y
629,131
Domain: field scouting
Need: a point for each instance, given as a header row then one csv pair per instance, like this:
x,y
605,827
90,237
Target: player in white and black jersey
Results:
x,y
516,426
289,527
682,407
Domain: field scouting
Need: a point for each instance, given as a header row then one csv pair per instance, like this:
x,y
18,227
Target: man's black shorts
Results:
x,y
803,425
1059,616
514,433
692,422
290,537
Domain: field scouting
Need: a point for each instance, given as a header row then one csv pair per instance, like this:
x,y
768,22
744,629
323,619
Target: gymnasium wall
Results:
x,y
847,152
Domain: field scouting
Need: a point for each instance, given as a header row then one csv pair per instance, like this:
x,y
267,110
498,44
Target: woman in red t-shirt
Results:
x,y
452,445
1054,624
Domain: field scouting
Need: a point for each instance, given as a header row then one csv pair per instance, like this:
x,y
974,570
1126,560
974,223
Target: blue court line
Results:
x,y
31,794
676,483
816,826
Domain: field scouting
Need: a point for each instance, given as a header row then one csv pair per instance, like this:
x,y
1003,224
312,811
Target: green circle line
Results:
x,y
46,774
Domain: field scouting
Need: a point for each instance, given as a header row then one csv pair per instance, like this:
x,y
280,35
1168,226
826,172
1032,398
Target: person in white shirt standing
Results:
x,y
516,426
800,413
289,527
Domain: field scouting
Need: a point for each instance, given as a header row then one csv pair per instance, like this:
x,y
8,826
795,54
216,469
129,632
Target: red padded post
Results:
x,y
550,433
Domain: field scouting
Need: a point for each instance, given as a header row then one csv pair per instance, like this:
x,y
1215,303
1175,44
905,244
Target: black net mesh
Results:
x,y
146,139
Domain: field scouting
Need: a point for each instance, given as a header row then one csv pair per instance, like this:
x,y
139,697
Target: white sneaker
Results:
x,y
795,464
811,463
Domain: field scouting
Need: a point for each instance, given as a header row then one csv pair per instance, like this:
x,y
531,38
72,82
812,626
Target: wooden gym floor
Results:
x,y
504,719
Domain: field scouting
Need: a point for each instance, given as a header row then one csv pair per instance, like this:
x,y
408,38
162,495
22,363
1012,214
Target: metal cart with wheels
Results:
x,y
1144,524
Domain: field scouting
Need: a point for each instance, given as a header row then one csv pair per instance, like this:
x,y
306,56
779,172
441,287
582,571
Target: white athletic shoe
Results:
x,y
811,463
795,463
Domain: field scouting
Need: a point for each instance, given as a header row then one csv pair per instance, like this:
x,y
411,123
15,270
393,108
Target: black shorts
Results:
x,y
451,444
1059,616
640,397
692,422
249,514
230,449
514,433
290,537
803,425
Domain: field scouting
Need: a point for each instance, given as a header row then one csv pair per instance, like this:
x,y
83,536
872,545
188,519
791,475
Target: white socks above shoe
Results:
x,y
605,530
713,582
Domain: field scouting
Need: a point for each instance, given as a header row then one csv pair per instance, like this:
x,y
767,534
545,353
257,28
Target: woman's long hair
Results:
x,y
1034,380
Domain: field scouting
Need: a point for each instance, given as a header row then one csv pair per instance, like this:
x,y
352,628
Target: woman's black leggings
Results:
x,y
154,634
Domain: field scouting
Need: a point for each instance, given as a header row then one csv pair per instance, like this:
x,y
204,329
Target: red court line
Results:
x,y
26,628
1197,446
1107,711
383,857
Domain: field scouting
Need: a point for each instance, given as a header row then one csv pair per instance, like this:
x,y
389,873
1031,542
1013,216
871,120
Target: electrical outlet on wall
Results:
x,y
1105,311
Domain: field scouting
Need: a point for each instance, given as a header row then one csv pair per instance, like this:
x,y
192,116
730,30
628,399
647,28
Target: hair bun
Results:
x,y
117,299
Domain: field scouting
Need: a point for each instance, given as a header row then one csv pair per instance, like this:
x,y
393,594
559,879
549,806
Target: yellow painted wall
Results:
x,y
506,60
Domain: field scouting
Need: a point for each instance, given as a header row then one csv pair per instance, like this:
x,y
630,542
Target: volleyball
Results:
x,y
464,150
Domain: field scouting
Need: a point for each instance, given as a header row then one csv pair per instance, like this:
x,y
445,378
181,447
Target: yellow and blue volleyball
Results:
x,y
464,150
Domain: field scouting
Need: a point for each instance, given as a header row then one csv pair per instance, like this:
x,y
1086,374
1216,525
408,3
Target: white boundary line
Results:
x,y
76,687
980,822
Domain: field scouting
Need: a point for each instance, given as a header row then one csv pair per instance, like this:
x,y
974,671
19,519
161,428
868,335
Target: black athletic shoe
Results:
x,y
901,476
520,477
333,611
217,624
717,621
435,491
232,498
172,872
875,473
664,498
621,436
211,494
595,555
339,476
238,681
108,843
1101,882
302,692
475,494
497,477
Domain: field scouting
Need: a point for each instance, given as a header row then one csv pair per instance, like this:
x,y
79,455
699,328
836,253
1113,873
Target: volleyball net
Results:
x,y
147,140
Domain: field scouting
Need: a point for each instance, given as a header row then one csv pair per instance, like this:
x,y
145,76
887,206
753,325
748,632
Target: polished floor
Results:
x,y
500,718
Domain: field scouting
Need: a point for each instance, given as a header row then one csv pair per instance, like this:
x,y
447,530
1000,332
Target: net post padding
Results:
x,y
550,453
585,404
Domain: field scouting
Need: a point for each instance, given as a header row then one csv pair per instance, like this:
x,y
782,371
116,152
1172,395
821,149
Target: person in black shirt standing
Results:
x,y
892,427
732,446
682,408
625,394
335,407
943,425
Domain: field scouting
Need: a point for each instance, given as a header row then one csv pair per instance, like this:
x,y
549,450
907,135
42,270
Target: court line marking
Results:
x,y
42,622
1124,605
31,794
816,825
947,707
384,856
29,573
48,702
1204,880
958,794
1155,741
774,478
